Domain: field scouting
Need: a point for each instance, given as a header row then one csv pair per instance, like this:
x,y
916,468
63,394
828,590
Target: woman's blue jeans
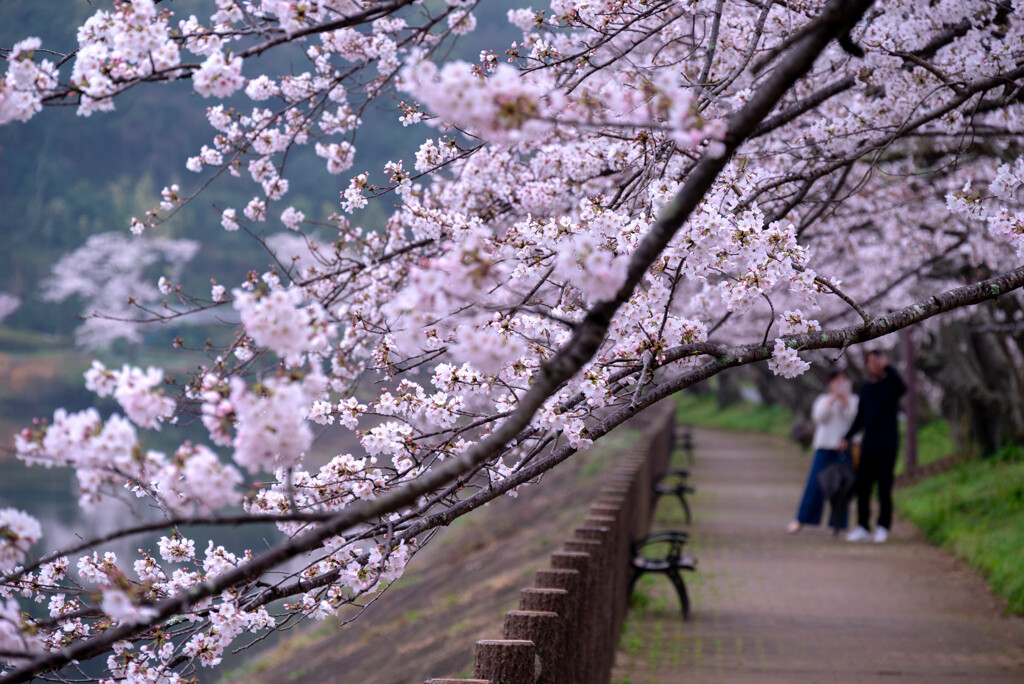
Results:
x,y
813,500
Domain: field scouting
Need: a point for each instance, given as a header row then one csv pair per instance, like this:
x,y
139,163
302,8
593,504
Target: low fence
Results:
x,y
568,625
911,477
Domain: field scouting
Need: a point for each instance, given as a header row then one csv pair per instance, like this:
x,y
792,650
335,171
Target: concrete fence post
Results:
x,y
505,661
554,601
567,580
545,601
606,600
547,632
644,502
610,505
618,507
618,554
625,496
663,457
631,514
617,488
581,563
597,597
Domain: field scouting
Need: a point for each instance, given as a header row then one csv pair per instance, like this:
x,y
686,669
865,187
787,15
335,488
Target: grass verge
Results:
x,y
976,510
934,443
703,410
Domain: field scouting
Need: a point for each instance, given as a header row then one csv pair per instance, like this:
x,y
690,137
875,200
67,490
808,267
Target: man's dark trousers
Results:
x,y
875,467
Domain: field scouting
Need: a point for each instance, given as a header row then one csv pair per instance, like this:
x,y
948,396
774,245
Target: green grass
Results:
x,y
976,510
747,417
934,443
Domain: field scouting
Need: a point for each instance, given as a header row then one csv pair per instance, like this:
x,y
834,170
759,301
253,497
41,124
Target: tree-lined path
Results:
x,y
773,607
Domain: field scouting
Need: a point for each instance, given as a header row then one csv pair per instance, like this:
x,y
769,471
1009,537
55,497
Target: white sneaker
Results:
x,y
859,534
881,534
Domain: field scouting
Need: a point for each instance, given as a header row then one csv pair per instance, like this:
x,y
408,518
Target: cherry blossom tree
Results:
x,y
8,304
634,197
109,273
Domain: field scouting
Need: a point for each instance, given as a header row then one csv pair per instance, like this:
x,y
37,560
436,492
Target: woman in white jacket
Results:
x,y
832,413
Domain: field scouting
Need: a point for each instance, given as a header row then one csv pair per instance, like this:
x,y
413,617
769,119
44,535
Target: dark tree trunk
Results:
x,y
729,392
981,382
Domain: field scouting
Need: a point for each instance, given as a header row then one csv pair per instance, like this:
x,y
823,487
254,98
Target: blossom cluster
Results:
x,y
114,48
137,391
26,82
18,532
107,455
274,316
1005,222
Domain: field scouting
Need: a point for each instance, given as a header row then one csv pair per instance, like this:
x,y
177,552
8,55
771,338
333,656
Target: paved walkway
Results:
x,y
773,607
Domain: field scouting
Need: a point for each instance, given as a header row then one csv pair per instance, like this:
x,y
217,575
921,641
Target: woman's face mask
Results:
x,y
843,385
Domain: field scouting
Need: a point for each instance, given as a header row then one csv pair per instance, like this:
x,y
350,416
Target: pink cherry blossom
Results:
x,y
219,76
18,532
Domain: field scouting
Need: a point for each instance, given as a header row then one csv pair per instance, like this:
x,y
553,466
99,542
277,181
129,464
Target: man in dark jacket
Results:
x,y
876,416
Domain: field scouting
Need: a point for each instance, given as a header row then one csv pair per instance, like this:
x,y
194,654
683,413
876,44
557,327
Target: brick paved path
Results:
x,y
772,607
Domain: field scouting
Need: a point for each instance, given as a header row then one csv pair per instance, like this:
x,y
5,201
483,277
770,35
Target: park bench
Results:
x,y
674,483
685,437
668,563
